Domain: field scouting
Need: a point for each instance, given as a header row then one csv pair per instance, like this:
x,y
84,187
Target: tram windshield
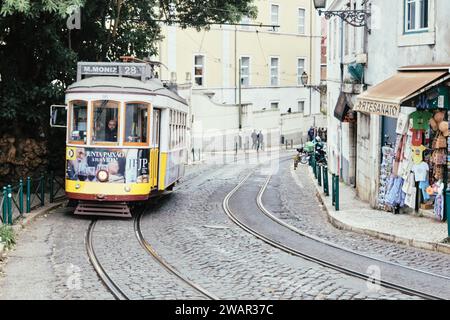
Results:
x,y
106,124
136,123
78,122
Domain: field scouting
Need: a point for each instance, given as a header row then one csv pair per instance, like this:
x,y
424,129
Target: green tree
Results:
x,y
39,54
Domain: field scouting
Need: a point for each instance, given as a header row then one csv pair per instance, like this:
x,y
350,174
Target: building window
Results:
x,y
300,70
301,106
245,71
199,70
274,15
301,21
274,105
416,15
274,81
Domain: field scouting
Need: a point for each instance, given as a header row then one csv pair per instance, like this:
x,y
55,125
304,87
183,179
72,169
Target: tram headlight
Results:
x,y
127,188
102,175
77,186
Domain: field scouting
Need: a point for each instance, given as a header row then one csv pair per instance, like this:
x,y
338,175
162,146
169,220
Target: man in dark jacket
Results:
x,y
111,131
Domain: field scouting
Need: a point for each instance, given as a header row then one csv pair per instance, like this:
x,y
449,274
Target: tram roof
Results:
x,y
123,85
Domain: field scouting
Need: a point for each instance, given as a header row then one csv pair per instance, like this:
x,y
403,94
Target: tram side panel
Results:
x,y
172,154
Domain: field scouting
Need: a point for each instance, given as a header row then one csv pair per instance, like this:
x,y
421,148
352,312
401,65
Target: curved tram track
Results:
x,y
115,290
152,252
259,221
107,280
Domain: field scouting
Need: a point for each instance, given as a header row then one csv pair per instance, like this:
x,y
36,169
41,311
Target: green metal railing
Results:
x,y
18,199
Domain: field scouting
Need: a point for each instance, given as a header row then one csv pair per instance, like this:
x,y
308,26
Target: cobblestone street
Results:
x,y
190,231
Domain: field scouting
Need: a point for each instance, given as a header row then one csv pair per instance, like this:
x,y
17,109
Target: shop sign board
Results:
x,y
377,107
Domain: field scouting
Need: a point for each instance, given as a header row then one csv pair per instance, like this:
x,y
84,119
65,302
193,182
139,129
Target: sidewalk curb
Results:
x,y
433,246
30,217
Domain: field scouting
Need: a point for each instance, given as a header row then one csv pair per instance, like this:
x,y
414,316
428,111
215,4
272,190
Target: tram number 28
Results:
x,y
130,70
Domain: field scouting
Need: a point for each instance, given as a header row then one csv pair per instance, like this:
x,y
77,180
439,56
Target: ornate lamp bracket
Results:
x,y
356,18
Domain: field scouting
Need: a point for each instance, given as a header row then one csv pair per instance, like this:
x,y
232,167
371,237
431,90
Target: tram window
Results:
x,y
78,123
136,123
155,127
106,124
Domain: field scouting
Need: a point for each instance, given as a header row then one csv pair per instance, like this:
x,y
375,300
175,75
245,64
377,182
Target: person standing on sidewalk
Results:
x,y
260,141
254,139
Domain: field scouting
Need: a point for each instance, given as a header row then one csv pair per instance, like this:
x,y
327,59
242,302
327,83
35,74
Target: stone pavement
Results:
x,y
357,215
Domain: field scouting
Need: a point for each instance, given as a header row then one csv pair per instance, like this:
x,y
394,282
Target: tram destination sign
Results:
x,y
378,107
135,70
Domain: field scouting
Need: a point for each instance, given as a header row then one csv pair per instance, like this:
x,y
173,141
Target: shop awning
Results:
x,y
386,97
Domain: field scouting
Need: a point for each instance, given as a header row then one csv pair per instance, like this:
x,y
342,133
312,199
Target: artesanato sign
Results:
x,y
377,107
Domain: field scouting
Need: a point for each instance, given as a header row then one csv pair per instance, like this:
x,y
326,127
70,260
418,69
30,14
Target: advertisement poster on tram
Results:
x,y
107,165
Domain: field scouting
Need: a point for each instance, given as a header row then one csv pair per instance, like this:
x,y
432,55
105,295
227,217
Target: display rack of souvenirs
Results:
x,y
385,173
419,163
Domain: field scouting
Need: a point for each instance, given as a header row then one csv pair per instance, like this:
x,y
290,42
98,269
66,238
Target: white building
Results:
x,y
402,33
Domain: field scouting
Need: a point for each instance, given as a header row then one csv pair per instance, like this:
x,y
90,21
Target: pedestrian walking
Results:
x,y
260,144
254,139
311,134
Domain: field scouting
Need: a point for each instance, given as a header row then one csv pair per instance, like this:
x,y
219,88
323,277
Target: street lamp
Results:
x,y
304,78
320,4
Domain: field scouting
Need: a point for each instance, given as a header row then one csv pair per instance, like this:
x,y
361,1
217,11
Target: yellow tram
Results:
x,y
126,137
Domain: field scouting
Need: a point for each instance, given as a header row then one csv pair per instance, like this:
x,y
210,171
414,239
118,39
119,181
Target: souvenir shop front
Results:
x,y
414,168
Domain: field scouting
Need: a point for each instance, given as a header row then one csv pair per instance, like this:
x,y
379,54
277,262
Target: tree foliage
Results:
x,y
38,60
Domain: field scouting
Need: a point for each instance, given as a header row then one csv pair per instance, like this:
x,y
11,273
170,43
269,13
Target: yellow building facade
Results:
x,y
269,61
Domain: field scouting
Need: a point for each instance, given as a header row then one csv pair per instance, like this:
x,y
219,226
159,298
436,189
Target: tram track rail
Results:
x,y
171,269
269,214
325,263
109,283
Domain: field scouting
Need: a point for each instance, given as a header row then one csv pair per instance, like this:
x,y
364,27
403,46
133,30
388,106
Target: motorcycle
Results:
x,y
302,157
321,154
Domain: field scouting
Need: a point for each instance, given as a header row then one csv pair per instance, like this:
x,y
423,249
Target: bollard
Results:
x,y
42,184
21,196
4,206
314,167
332,190
193,155
51,186
28,194
292,143
9,198
319,175
325,181
447,210
336,205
